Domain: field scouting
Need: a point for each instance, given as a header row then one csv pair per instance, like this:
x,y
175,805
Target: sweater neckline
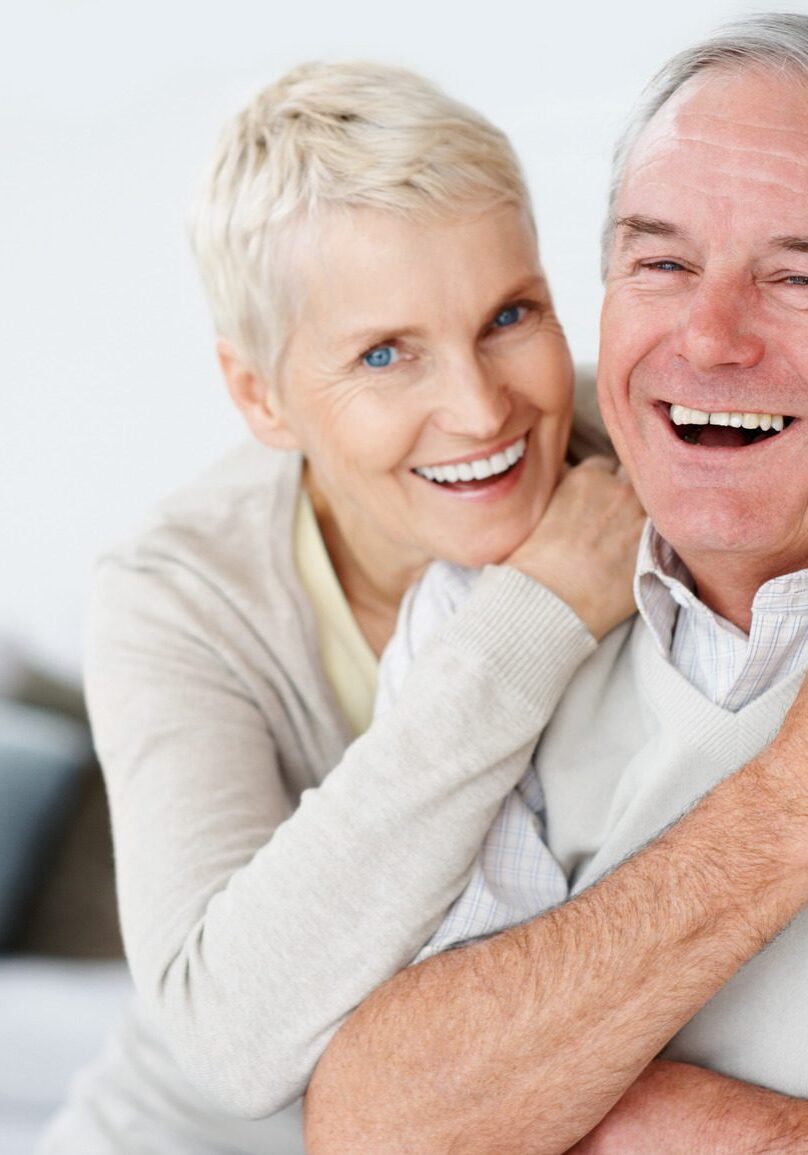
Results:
x,y
723,735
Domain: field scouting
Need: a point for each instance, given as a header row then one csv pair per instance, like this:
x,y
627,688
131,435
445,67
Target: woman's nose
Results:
x,y
471,400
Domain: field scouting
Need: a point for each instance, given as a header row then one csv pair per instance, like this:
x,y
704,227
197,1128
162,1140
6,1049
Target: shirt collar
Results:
x,y
663,585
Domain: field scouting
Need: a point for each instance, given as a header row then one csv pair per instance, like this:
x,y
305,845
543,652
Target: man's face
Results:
x,y
706,309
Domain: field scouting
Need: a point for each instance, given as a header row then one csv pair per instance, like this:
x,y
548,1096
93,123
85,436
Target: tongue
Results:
x,y
722,437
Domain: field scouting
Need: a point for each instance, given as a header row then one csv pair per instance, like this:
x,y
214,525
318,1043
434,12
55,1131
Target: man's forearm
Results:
x,y
524,1042
678,1109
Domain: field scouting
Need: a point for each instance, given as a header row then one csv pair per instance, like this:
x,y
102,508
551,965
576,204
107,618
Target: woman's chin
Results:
x,y
493,550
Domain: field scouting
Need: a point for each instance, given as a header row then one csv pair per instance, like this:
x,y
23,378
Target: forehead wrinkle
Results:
x,y
717,147
726,124
780,173
761,157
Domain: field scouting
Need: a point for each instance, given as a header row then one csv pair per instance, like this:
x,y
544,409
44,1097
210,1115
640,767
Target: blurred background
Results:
x,y
110,392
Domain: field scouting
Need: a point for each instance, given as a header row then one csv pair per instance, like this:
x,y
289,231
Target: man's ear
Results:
x,y
255,398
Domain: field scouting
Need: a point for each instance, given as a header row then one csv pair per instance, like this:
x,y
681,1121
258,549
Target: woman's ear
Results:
x,y
255,398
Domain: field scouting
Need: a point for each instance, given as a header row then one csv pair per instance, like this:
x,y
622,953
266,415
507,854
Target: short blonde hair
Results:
x,y
332,136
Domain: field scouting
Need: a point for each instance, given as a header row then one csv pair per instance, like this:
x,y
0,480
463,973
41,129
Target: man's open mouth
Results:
x,y
725,429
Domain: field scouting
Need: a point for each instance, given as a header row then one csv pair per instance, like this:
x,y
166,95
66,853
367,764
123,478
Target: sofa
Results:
x,y
62,975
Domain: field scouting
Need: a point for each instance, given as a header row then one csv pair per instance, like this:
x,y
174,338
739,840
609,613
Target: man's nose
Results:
x,y
472,399
721,328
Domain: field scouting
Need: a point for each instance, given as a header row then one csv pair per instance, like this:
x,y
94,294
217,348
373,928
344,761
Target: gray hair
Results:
x,y
777,40
324,138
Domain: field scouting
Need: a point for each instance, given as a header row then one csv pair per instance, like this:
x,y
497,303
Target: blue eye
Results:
x,y
380,357
509,316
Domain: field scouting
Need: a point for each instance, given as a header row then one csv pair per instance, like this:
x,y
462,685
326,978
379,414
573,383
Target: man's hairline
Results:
x,y
639,124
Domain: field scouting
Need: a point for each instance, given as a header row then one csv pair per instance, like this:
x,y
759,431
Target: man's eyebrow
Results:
x,y
636,226
791,244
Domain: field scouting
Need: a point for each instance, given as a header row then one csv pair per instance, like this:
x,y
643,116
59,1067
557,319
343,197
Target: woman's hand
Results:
x,y
585,546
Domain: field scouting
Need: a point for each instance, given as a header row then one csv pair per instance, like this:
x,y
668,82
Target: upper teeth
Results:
x,y
680,415
478,469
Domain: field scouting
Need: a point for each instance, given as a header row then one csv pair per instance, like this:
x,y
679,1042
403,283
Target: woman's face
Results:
x,y
428,382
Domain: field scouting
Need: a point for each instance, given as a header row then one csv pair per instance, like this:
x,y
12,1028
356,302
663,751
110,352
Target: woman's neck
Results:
x,y
373,571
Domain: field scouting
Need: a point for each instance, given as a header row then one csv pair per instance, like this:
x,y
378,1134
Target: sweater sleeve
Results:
x,y
253,927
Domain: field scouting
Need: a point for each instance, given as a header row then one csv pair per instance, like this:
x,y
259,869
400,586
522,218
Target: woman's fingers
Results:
x,y
585,546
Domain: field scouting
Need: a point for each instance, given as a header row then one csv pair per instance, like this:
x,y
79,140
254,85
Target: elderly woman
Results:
x,y
386,329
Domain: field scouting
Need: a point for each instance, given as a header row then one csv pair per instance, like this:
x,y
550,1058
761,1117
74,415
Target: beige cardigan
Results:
x,y
270,872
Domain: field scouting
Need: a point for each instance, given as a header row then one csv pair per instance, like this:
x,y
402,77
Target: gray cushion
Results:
x,y
588,431
42,757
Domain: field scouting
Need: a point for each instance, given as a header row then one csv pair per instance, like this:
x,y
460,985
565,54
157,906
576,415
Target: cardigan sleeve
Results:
x,y
254,923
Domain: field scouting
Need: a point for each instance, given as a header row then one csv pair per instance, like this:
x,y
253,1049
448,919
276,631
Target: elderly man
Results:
x,y
544,1037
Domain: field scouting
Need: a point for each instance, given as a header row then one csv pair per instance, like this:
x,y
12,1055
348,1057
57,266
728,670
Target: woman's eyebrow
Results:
x,y
532,283
367,337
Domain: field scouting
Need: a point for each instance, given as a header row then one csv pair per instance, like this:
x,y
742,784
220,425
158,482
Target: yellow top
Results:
x,y
350,664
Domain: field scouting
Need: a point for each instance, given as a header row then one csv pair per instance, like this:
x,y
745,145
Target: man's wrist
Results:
x,y
772,799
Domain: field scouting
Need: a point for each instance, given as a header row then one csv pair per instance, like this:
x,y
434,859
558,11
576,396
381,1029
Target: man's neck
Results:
x,y
727,583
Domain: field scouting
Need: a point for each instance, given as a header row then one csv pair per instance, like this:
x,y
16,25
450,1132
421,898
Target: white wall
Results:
x,y
110,394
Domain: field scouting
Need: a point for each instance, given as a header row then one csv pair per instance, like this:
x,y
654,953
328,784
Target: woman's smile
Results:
x,y
428,368
479,477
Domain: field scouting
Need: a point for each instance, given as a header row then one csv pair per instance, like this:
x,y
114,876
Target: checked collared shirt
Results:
x,y
515,876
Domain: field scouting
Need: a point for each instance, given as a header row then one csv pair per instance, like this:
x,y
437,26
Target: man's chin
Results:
x,y
705,529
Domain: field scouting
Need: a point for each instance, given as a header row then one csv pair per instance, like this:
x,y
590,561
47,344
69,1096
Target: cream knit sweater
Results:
x,y
631,746
270,872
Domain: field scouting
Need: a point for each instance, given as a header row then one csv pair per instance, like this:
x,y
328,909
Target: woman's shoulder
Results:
x,y
249,491
224,536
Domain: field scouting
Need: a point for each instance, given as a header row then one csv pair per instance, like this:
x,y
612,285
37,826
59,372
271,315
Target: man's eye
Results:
x,y
381,356
798,279
510,316
665,266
